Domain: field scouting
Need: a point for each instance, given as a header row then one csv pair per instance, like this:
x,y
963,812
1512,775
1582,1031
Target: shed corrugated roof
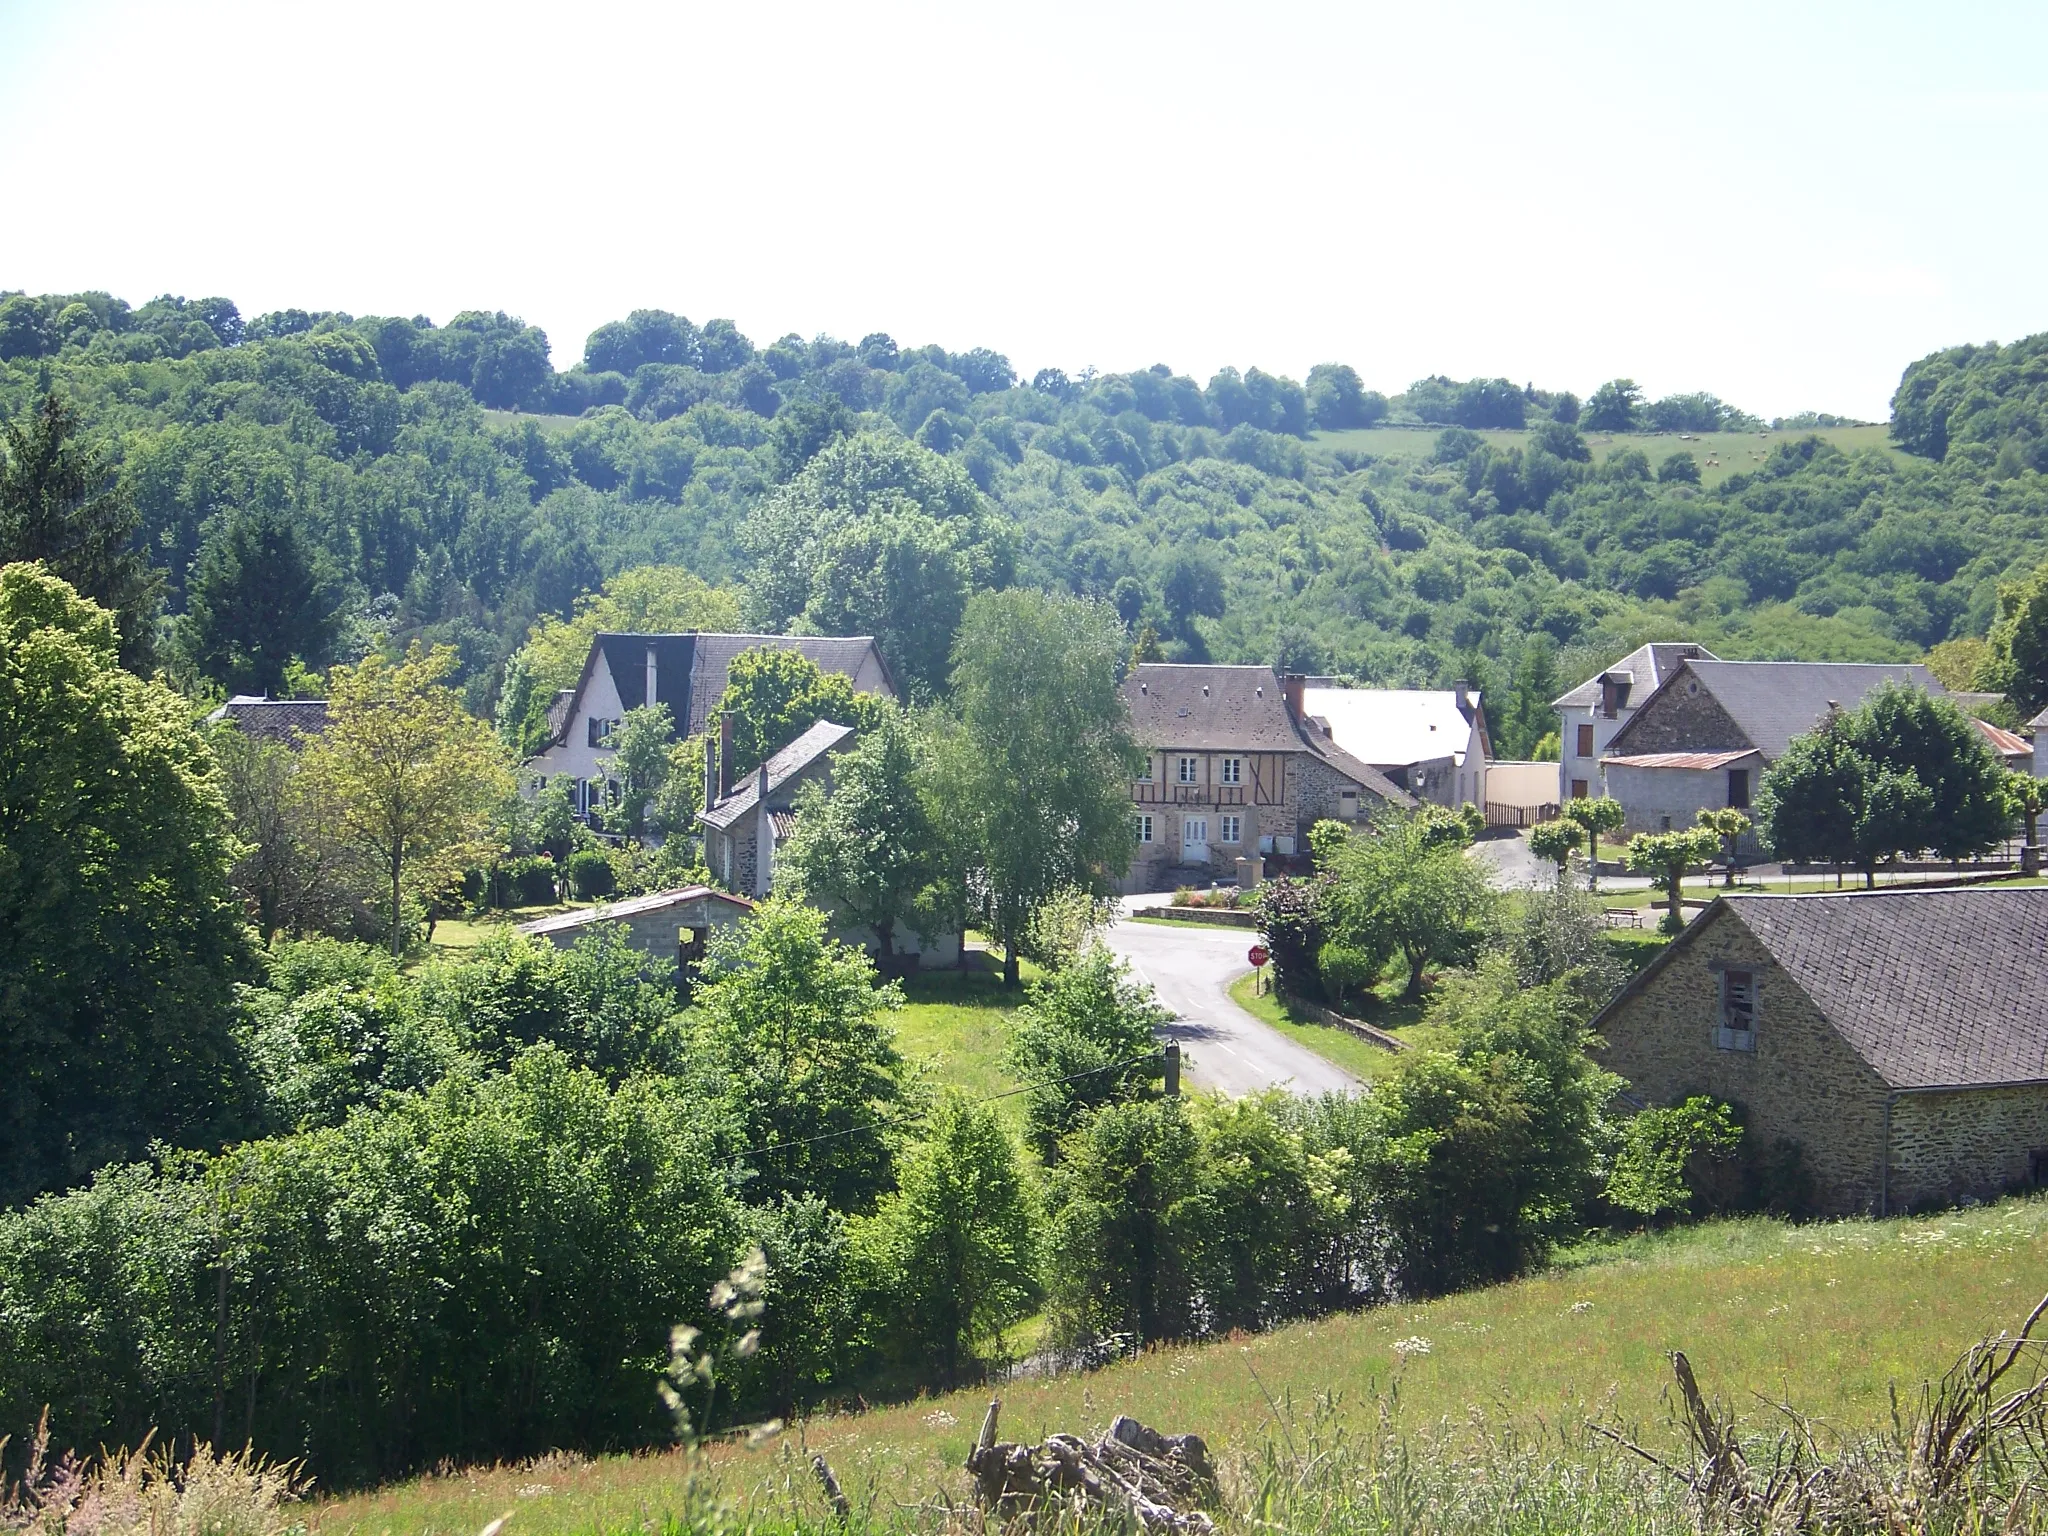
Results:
x,y
1697,760
1394,726
2004,742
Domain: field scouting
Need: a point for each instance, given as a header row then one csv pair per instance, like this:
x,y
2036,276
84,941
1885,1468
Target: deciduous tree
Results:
x,y
119,935
1404,889
1039,782
62,505
407,774
1595,816
1665,857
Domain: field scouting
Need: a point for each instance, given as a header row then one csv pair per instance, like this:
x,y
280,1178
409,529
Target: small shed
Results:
x,y
673,926
1900,1038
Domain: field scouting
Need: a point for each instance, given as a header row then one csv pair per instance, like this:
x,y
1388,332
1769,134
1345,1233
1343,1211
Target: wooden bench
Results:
x,y
1624,917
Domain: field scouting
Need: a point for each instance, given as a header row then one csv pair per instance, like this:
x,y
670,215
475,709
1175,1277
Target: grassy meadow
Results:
x,y
1720,454
1828,1318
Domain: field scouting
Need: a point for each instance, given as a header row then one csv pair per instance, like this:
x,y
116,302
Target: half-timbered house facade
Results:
x,y
1233,770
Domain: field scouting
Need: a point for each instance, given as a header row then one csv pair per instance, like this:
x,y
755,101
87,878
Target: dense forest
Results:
x,y
445,482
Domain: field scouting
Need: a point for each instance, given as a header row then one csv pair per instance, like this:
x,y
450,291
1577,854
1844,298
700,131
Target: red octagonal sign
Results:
x,y
1258,955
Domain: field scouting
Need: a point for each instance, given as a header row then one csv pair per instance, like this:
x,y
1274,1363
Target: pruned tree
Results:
x,y
1728,824
1665,857
1557,841
1595,816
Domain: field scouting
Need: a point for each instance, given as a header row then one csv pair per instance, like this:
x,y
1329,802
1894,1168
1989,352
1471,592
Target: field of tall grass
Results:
x,y
1468,1413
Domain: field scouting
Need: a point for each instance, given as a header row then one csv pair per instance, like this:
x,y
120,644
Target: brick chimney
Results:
x,y
724,756
1292,688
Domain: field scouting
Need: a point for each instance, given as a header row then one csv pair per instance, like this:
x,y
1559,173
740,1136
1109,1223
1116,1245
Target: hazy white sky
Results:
x,y
1782,203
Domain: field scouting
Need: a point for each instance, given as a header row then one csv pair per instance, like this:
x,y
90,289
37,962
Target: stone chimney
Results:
x,y
649,700
1463,693
764,834
724,756
1293,687
710,772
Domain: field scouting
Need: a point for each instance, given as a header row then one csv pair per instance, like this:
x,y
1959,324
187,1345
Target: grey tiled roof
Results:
x,y
273,719
1209,708
833,653
696,663
1233,709
823,738
1773,701
1647,666
2039,722
1934,989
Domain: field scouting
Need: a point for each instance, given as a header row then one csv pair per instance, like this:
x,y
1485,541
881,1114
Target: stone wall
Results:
x,y
1974,1142
1801,1082
1678,720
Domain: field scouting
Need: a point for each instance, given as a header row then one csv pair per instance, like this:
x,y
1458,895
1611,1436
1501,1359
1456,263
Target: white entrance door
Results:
x,y
1194,840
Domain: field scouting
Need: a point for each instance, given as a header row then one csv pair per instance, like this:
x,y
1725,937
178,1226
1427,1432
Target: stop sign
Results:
x,y
1258,955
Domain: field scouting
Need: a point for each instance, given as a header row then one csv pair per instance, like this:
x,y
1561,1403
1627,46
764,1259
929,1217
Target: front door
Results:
x,y
1194,840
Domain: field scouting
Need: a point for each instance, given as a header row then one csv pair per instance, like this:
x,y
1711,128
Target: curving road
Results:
x,y
1222,1047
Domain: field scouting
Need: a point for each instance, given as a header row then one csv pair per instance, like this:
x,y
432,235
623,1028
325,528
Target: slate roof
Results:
x,y
709,656
1647,667
1773,701
2039,722
823,738
1234,709
657,901
1934,989
1394,726
285,720
1210,708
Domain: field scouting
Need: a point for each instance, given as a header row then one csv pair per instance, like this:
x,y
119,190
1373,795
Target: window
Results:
x,y
1738,788
1738,1011
1578,789
1187,770
1233,829
1144,824
1146,776
1585,741
601,731
1233,773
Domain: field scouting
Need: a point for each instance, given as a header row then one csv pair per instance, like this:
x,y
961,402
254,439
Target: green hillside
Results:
x,y
1827,1318
456,488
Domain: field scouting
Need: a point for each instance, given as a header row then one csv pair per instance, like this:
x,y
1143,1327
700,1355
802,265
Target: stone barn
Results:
x,y
1900,1038
667,926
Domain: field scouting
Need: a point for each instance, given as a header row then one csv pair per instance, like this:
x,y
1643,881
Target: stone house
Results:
x,y
1900,1038
1589,716
1432,742
745,826
1234,768
1703,739
666,926
687,672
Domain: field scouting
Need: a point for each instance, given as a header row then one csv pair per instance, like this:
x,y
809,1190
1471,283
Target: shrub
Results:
x,y
590,874
1289,913
1345,970
1089,1017
522,882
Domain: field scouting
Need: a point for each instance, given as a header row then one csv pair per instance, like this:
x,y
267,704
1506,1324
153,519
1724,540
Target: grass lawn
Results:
x,y
957,1023
1827,1317
1720,454
1361,1058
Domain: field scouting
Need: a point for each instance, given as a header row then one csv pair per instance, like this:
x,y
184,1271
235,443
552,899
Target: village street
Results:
x,y
1223,1047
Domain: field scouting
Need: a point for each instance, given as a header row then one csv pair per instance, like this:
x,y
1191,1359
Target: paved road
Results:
x,y
1222,1046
